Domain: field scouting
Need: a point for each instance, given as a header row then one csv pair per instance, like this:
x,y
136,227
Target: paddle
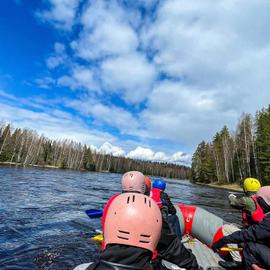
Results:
x,y
98,238
94,213
230,249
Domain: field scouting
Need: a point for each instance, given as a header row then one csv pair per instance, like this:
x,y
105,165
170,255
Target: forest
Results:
x,y
26,147
232,156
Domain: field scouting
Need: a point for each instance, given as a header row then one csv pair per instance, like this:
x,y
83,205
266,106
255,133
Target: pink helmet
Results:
x,y
133,181
264,192
134,220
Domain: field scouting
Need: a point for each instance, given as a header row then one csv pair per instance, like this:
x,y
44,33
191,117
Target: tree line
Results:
x,y
233,156
27,148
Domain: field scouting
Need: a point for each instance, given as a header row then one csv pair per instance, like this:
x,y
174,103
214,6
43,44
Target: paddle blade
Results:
x,y
94,213
98,238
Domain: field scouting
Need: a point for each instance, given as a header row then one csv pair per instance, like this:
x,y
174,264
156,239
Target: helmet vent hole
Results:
x,y
144,241
121,237
149,203
128,199
146,235
125,232
133,198
144,200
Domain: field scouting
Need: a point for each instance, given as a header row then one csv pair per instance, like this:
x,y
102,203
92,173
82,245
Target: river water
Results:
x,y
40,210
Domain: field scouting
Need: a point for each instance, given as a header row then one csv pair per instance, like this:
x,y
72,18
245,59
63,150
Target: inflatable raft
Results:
x,y
200,229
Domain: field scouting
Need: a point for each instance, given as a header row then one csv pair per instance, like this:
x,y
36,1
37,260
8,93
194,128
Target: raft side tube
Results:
x,y
206,225
200,223
181,219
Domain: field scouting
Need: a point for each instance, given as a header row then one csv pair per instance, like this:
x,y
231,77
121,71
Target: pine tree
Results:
x,y
263,144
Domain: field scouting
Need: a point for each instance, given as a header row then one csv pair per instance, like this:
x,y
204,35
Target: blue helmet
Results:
x,y
159,183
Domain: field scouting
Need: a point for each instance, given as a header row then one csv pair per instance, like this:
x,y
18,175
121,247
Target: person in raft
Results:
x,y
129,237
169,246
163,200
255,238
248,204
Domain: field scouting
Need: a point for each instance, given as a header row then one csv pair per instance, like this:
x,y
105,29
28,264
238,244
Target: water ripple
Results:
x,y
40,210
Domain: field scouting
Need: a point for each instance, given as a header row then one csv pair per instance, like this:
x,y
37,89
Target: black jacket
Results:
x,y
259,233
166,202
123,257
256,239
171,249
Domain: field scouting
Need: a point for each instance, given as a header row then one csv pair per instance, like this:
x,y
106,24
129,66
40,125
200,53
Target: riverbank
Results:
x,y
232,187
28,165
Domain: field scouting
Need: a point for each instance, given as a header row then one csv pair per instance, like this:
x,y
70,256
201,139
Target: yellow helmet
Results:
x,y
251,185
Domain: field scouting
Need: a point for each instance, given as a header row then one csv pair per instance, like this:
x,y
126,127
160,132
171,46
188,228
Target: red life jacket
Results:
x,y
155,195
256,216
104,217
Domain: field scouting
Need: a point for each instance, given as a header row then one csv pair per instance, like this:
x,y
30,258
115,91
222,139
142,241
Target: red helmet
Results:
x,y
148,182
264,192
134,220
133,181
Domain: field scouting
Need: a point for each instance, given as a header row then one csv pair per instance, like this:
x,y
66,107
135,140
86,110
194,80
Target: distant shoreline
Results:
x,y
28,165
232,187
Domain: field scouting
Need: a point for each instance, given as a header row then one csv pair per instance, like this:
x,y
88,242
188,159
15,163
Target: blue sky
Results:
x,y
146,79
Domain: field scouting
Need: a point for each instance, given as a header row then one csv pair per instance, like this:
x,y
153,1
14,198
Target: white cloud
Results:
x,y
109,115
81,78
141,153
61,13
6,95
148,154
213,58
218,55
107,148
54,61
106,32
181,157
180,113
59,124
55,124
132,75
59,56
45,82
108,36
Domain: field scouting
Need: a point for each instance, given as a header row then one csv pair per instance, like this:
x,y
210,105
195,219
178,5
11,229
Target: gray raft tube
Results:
x,y
198,222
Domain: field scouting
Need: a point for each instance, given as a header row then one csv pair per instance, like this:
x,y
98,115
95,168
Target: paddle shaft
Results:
x,y
230,249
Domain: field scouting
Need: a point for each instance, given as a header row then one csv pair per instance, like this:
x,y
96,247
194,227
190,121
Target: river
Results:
x,y
39,210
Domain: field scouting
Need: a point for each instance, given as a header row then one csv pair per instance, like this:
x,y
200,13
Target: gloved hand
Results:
x,y
219,244
231,196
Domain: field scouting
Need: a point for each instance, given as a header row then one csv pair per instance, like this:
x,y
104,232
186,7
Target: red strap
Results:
x,y
188,212
218,235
